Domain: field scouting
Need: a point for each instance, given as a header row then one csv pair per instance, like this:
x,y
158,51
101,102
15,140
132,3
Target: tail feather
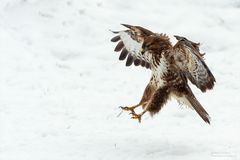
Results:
x,y
198,107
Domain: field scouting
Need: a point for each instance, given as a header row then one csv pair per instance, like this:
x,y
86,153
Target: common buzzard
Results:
x,y
171,66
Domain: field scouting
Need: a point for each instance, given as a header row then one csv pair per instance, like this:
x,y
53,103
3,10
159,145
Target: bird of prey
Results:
x,y
172,67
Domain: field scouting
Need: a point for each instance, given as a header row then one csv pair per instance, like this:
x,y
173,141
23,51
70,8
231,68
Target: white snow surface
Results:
x,y
61,83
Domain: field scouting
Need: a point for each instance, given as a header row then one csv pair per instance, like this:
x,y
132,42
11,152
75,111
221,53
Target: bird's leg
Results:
x,y
148,92
131,109
139,116
156,102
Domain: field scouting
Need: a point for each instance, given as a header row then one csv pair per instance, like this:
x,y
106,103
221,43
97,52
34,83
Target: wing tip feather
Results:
x,y
129,60
115,39
119,46
207,86
126,25
123,54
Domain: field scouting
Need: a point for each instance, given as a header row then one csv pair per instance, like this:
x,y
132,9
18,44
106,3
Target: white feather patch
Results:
x,y
181,100
159,71
133,46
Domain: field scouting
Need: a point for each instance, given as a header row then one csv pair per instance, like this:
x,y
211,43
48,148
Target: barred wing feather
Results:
x,y
130,44
191,63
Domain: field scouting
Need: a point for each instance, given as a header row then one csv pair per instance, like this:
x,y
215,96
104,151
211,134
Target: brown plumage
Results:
x,y
171,66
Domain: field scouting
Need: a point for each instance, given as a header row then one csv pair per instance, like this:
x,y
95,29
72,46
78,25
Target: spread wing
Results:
x,y
130,44
190,62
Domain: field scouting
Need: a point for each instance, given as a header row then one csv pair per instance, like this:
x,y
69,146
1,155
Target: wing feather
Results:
x,y
123,54
143,63
190,61
115,39
130,42
129,60
119,46
137,62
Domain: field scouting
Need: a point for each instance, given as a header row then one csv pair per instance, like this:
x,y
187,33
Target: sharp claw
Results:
x,y
127,108
138,118
132,112
124,108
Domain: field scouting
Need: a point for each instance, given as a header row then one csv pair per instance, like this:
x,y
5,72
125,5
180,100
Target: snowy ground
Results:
x,y
61,83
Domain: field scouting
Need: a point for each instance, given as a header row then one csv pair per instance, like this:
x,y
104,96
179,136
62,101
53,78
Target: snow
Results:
x,y
61,83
